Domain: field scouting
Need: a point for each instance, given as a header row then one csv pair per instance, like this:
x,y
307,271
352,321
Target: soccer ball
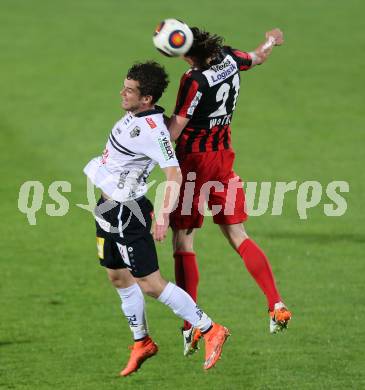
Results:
x,y
173,38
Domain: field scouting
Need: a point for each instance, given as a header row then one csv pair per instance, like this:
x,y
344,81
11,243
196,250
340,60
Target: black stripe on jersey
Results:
x,y
183,94
126,151
225,139
203,141
215,141
118,149
188,148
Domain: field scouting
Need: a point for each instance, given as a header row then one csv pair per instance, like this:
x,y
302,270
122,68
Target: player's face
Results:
x,y
132,100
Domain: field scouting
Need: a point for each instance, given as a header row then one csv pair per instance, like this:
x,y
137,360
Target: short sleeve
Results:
x,y
243,59
188,96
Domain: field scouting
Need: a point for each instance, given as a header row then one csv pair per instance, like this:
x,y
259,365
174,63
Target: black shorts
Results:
x,y
123,236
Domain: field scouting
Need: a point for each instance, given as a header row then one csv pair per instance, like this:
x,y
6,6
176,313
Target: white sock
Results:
x,y
133,309
279,305
183,306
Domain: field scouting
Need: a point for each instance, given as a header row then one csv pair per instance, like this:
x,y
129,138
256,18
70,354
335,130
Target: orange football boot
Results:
x,y
214,340
141,350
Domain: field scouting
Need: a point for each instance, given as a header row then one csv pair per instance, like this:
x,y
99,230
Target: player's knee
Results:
x,y
150,290
148,287
112,277
152,285
120,279
184,247
117,283
183,241
235,234
184,244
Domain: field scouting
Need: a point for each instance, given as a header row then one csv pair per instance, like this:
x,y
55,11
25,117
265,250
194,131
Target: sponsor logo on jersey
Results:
x,y
223,65
151,123
194,103
217,73
166,148
135,132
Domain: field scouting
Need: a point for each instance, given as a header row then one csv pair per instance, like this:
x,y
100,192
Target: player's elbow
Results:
x,y
174,134
173,174
259,59
178,177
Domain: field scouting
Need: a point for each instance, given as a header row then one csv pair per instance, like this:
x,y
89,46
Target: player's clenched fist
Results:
x,y
277,35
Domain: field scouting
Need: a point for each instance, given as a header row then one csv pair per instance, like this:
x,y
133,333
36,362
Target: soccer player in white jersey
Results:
x,y
126,248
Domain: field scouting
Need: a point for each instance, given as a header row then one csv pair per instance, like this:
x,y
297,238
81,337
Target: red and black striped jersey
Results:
x,y
208,98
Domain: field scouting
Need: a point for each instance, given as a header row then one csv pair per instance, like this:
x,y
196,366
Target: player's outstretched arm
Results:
x,y
176,126
169,200
274,37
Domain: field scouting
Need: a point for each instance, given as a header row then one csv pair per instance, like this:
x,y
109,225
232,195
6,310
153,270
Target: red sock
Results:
x,y
187,275
259,267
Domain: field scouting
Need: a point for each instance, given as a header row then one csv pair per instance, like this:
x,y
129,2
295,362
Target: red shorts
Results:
x,y
208,177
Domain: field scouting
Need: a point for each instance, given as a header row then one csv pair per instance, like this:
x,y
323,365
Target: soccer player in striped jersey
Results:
x,y
201,126
137,142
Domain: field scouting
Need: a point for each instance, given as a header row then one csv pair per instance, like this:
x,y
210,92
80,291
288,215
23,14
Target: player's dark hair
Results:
x,y
205,46
152,78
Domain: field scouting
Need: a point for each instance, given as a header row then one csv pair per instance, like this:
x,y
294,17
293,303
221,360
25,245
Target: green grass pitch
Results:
x,y
299,117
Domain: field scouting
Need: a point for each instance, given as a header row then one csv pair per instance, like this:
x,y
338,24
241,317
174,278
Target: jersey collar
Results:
x,y
156,110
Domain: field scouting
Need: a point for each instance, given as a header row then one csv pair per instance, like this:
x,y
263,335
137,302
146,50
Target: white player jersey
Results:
x,y
135,145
